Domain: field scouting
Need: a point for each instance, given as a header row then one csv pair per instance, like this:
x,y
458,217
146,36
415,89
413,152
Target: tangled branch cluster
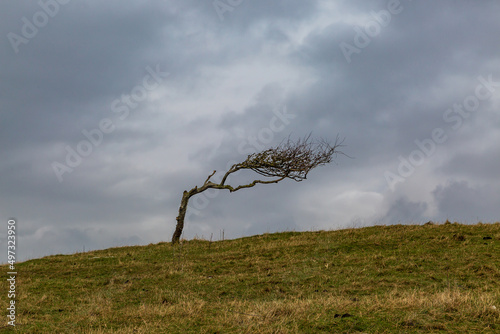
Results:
x,y
292,159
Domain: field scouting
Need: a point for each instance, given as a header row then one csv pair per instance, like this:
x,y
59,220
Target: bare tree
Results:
x,y
290,159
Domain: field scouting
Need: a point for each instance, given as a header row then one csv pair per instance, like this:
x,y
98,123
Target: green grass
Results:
x,y
383,279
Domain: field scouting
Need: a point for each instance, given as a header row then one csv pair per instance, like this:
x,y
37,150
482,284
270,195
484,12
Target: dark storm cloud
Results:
x,y
402,79
460,201
67,75
404,211
240,80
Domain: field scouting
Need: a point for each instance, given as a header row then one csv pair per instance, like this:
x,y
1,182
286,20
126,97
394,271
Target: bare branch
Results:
x,y
234,168
292,159
208,178
255,182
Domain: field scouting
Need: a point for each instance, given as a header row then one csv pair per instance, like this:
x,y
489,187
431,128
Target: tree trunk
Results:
x,y
180,218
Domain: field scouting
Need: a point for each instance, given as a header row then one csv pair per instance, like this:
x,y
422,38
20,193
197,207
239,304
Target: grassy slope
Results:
x,y
383,279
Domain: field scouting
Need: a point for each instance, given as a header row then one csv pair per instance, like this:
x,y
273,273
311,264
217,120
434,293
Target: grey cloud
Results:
x,y
484,164
460,201
404,211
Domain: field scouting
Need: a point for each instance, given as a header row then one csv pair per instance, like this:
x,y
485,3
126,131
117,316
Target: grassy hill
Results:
x,y
382,279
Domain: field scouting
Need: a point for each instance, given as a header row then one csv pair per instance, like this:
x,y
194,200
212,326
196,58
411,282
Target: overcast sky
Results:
x,y
109,110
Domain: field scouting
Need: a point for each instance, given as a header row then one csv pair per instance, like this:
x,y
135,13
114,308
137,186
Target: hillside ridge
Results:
x,y
378,279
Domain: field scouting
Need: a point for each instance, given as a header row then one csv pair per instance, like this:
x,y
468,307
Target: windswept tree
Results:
x,y
290,159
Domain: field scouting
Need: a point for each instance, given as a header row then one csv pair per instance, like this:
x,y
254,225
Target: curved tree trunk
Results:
x,y
180,218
